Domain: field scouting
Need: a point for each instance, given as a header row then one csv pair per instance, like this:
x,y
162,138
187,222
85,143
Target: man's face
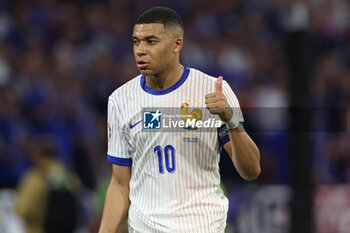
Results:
x,y
154,48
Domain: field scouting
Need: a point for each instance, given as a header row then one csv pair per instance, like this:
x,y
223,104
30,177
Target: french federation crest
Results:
x,y
195,115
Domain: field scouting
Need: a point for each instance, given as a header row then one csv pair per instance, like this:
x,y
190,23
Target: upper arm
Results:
x,y
119,146
121,174
118,150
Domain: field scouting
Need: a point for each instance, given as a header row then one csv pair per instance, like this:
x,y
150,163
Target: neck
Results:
x,y
166,78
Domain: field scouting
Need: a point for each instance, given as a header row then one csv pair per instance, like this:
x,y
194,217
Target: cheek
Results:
x,y
164,53
134,51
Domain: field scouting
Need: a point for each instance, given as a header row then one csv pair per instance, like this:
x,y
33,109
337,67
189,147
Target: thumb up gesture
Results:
x,y
216,102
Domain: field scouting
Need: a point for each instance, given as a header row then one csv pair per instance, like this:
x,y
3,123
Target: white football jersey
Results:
x,y
175,181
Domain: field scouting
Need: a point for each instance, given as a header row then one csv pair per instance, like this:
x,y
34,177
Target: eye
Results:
x,y
136,42
152,41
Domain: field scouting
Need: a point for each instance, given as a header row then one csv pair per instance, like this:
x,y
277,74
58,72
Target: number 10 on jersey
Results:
x,y
169,151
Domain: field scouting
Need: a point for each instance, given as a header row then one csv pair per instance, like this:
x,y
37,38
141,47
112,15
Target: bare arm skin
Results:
x,y
244,153
117,199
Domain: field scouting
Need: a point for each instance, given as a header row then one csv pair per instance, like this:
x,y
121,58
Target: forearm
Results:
x,y
244,153
115,208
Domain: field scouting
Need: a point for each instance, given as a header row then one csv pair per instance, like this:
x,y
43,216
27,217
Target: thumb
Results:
x,y
218,84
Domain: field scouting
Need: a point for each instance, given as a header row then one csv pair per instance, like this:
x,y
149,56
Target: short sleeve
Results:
x,y
232,100
118,149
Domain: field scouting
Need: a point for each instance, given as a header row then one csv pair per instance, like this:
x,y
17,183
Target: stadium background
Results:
x,y
60,60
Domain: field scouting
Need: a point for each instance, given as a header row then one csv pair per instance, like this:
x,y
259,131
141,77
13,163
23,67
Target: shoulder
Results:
x,y
201,75
200,78
125,90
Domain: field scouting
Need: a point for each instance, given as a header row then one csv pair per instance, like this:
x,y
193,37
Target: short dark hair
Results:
x,y
163,15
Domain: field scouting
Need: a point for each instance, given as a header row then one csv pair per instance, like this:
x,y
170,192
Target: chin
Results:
x,y
146,72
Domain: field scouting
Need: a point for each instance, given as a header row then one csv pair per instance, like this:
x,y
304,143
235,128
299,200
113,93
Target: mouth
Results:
x,y
142,64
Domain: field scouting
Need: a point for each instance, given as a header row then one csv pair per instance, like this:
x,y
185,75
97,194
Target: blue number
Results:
x,y
158,151
166,153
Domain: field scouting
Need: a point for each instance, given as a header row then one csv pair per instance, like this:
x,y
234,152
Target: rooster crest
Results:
x,y
195,114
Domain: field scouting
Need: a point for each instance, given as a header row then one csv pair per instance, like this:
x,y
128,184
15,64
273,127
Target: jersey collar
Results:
x,y
167,90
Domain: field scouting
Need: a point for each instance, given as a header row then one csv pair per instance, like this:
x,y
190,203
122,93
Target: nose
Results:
x,y
141,49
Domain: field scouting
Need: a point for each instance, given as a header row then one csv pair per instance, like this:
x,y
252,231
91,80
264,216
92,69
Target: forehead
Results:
x,y
149,29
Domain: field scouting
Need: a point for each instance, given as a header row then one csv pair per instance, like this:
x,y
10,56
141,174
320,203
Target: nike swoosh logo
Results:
x,y
132,126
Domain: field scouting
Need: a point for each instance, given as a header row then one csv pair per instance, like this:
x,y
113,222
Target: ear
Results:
x,y
178,43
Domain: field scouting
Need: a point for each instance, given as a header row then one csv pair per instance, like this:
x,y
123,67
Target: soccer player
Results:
x,y
166,181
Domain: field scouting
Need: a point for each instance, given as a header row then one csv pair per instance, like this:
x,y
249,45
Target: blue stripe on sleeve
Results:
x,y
119,161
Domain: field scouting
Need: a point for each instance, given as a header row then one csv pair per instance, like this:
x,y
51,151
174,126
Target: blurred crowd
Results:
x,y
60,60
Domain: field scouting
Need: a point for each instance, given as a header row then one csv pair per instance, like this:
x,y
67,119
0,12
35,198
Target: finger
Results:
x,y
217,98
215,110
210,95
211,100
216,105
218,84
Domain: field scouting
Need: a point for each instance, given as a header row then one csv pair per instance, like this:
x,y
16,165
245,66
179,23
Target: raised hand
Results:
x,y
216,102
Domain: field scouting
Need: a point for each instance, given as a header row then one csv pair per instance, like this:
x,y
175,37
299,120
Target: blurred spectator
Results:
x,y
47,192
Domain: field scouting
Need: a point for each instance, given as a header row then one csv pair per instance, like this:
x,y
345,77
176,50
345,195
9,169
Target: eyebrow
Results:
x,y
146,38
